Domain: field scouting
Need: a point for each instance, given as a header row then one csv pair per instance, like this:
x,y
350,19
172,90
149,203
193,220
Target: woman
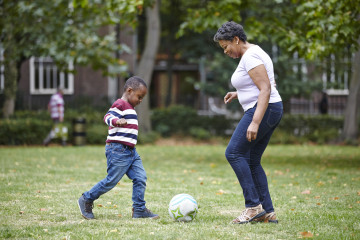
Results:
x,y
255,89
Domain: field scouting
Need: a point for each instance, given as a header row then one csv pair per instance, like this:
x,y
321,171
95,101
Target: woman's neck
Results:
x,y
244,47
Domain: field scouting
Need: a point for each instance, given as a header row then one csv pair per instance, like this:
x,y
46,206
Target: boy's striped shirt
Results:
x,y
127,134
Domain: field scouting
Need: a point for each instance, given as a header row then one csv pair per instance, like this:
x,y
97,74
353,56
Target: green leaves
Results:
x,y
210,15
68,30
313,28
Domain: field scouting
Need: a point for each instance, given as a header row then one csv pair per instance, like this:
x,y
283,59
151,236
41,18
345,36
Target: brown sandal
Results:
x,y
250,214
268,218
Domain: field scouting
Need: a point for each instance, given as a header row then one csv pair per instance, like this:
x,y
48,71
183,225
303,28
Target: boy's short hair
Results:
x,y
134,82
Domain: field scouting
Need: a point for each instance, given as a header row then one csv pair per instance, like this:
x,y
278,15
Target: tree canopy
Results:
x,y
77,31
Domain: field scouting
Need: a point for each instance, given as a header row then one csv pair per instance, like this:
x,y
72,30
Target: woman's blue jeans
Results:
x,y
245,157
121,160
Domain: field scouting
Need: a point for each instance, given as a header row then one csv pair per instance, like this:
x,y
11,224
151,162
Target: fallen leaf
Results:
x,y
21,212
109,203
201,183
45,230
306,192
317,197
220,192
119,215
336,198
307,234
114,230
358,193
318,203
99,205
319,184
43,209
212,165
358,202
293,197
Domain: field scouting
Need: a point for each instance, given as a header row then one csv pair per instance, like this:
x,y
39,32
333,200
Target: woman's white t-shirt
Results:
x,y
247,91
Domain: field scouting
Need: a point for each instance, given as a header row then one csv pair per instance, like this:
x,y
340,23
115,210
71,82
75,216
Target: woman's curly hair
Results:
x,y
229,30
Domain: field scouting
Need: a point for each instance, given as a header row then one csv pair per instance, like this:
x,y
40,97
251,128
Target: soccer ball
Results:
x,y
183,208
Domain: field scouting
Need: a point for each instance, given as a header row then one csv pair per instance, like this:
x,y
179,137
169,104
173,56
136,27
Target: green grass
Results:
x,y
39,188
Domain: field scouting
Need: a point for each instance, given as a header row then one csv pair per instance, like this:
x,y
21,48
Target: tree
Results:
x,y
66,30
147,61
313,29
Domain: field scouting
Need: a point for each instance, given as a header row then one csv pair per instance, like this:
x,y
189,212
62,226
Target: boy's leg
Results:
x,y
118,162
138,175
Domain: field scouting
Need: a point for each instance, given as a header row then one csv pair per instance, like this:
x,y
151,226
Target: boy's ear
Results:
x,y
129,90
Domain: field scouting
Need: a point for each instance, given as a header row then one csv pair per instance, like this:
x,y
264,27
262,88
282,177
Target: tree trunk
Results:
x,y
10,87
351,112
147,62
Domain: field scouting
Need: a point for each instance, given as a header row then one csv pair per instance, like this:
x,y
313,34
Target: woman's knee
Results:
x,y
230,154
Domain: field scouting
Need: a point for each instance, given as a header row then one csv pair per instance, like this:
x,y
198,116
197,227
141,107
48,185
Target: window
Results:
x,y
45,78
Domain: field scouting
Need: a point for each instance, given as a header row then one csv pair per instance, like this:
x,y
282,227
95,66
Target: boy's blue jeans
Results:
x,y
244,156
121,160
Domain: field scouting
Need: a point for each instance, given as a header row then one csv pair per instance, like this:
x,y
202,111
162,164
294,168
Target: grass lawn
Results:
x,y
315,190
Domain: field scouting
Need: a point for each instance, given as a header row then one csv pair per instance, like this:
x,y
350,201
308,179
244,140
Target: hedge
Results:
x,y
31,127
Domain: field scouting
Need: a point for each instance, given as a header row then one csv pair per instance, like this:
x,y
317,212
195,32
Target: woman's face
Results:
x,y
230,47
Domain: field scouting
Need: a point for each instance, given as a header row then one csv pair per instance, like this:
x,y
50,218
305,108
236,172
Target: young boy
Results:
x,y
121,154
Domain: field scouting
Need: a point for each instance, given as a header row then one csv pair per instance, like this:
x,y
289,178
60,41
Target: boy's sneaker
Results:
x,y
250,214
268,218
146,213
86,208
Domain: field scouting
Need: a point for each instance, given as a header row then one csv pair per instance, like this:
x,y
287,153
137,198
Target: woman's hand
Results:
x,y
229,97
252,131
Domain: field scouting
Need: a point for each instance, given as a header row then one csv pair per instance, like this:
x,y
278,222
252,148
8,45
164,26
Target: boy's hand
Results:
x,y
121,122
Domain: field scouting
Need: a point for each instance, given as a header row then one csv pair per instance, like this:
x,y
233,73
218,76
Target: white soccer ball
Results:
x,y
183,208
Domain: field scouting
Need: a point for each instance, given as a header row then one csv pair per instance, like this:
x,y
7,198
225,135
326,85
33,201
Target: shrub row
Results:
x,y
30,127
185,121
300,129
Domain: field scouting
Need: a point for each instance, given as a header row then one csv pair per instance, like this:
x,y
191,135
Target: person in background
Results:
x,y
256,91
56,109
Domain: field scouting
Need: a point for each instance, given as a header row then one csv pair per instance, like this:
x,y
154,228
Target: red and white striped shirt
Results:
x,y
56,106
127,134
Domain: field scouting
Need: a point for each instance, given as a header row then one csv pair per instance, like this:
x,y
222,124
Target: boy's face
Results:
x,y
135,97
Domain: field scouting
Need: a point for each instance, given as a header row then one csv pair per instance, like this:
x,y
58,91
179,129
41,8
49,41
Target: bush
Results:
x,y
200,133
180,120
148,138
24,131
31,127
96,133
300,129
